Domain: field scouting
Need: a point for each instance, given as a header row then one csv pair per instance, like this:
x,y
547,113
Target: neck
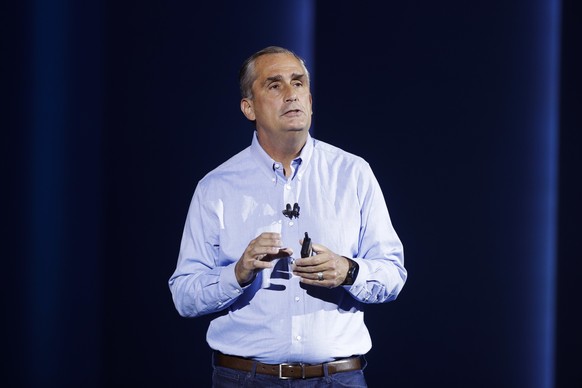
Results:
x,y
283,150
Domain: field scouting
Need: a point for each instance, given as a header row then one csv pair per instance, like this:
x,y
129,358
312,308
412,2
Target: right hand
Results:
x,y
258,255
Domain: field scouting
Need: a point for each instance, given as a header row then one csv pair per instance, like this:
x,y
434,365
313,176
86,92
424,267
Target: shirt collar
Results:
x,y
266,163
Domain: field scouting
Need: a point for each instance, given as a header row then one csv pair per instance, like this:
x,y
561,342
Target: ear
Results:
x,y
246,106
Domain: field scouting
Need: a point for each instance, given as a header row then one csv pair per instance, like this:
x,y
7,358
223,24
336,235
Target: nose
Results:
x,y
290,94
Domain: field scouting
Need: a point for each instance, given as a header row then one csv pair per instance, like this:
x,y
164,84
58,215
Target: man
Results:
x,y
281,316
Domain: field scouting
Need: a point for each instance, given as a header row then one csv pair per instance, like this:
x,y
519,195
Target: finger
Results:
x,y
268,238
283,252
318,283
308,277
318,248
268,245
257,249
280,253
310,261
309,271
260,264
273,235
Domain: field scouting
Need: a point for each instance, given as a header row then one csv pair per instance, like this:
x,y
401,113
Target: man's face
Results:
x,y
281,102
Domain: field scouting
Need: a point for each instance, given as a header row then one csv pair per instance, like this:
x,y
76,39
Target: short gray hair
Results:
x,y
247,76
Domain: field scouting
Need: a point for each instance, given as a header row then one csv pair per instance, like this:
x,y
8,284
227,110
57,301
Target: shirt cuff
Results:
x,y
228,282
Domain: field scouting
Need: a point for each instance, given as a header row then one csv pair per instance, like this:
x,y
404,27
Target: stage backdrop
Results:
x,y
468,114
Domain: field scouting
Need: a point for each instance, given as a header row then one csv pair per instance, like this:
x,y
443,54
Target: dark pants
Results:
x,y
230,378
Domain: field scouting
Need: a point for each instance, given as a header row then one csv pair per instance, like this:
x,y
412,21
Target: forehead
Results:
x,y
282,64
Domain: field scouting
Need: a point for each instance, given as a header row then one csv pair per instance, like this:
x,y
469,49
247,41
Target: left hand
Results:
x,y
333,268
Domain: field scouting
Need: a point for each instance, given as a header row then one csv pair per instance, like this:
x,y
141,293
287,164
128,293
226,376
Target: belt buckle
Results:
x,y
302,365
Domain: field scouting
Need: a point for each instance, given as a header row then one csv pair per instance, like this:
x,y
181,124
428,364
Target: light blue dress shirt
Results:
x,y
276,318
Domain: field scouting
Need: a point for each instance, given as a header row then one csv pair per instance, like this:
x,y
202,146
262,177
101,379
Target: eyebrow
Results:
x,y
276,78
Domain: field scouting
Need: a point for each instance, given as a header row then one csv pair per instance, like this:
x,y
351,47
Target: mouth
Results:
x,y
293,113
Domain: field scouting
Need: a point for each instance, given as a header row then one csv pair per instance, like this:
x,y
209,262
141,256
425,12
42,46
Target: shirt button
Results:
x,y
291,223
298,338
288,187
277,165
274,180
296,299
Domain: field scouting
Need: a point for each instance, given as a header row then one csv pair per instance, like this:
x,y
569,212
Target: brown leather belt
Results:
x,y
288,370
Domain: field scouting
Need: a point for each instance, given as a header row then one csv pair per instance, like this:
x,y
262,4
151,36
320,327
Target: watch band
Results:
x,y
352,273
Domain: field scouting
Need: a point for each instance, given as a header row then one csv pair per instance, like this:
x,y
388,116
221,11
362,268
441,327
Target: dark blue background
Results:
x,y
468,112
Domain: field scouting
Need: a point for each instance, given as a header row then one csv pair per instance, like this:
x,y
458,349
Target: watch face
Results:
x,y
352,273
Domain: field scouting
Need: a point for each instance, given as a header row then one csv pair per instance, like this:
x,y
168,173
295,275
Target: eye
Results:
x,y
274,86
298,84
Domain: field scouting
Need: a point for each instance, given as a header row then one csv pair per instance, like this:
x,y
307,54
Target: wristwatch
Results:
x,y
352,273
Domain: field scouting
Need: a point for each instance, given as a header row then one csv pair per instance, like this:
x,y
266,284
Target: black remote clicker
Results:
x,y
306,247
